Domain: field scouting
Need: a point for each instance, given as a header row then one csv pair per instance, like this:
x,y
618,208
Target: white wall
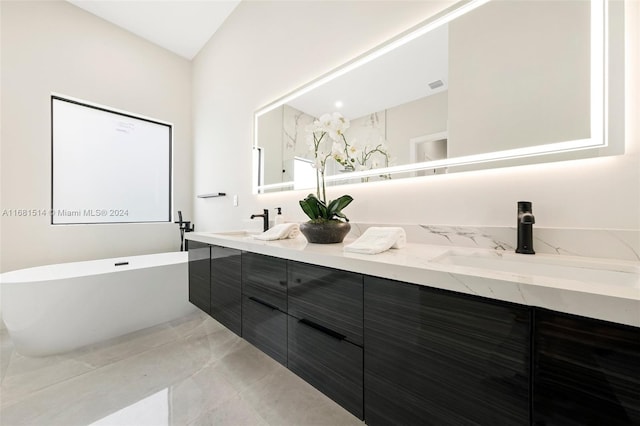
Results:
x,y
254,58
534,82
53,46
424,116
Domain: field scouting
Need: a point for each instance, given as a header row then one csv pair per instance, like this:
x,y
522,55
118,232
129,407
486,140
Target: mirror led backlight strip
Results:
x,y
598,95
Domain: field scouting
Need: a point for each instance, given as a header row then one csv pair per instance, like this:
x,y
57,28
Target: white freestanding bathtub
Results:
x,y
56,308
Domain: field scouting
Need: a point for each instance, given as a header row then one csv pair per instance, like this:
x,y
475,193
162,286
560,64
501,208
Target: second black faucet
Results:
x,y
525,228
265,219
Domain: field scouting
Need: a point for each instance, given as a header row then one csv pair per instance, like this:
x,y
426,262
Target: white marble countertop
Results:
x,y
415,263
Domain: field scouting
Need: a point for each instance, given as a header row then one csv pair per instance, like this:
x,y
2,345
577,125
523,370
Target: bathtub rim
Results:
x,y
68,270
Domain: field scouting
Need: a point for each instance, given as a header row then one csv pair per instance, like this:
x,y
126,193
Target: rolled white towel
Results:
x,y
280,232
378,239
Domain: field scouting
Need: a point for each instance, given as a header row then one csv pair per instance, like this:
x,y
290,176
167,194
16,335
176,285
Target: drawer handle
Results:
x,y
283,283
268,305
323,329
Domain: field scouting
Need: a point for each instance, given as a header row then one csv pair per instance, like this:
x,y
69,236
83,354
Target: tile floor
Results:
x,y
192,371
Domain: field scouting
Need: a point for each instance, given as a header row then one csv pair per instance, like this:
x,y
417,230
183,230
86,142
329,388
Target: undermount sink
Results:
x,y
562,267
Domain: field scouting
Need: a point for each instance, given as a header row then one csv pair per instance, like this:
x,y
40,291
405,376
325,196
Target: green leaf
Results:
x,y
338,204
306,208
322,210
317,210
313,207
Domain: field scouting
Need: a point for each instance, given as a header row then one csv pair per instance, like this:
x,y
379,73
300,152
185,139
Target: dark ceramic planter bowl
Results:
x,y
330,232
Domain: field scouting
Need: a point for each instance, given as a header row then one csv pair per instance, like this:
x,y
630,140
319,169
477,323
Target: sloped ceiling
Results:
x,y
181,26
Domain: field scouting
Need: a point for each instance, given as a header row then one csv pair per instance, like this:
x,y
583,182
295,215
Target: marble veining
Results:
x,y
600,243
613,295
471,290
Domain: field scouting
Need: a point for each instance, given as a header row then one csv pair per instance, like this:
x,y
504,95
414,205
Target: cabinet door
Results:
x,y
586,371
265,327
226,289
199,275
265,277
328,362
440,358
329,297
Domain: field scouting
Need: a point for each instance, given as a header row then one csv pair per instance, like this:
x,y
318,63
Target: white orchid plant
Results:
x,y
328,126
365,157
326,139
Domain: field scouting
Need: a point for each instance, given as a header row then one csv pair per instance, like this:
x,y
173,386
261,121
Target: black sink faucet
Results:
x,y
265,219
525,228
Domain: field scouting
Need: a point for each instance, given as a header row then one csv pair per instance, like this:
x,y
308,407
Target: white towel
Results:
x,y
378,239
280,232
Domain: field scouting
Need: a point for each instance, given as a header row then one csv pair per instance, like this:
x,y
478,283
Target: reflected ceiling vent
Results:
x,y
436,84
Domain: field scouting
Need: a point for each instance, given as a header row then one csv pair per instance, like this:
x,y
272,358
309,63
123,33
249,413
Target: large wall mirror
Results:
x,y
482,84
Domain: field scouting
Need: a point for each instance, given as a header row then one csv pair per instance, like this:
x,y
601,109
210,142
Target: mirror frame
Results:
x,y
598,111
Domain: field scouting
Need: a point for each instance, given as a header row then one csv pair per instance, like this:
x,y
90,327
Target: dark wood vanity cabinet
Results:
x,y
586,371
326,332
215,283
226,289
394,353
264,304
265,327
200,275
265,278
328,362
329,297
440,358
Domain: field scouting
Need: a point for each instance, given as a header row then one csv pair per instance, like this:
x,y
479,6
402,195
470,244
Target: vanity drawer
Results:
x,y
450,358
328,297
265,327
226,290
199,275
585,371
265,277
328,362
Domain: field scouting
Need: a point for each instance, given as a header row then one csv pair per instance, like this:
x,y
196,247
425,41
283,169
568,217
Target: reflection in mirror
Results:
x,y
482,81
